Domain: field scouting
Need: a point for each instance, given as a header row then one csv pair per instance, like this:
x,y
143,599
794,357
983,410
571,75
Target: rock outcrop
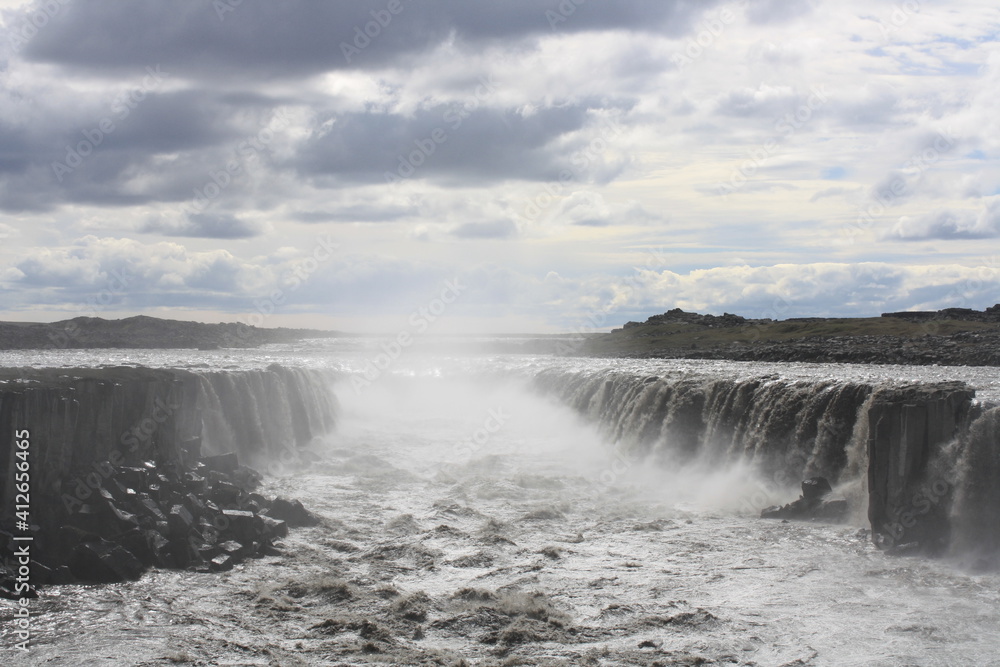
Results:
x,y
910,475
949,337
119,520
815,504
677,315
923,459
135,467
991,314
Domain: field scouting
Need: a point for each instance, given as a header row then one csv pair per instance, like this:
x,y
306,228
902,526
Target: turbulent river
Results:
x,y
472,514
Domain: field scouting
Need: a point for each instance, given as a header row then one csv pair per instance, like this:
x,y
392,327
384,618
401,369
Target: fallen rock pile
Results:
x,y
119,520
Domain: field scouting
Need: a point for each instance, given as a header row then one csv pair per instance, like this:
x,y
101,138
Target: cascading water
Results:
x,y
976,534
82,417
265,414
466,517
786,429
938,467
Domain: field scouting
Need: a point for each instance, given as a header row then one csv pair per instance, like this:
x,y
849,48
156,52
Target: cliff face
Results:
x,y
925,459
911,473
135,467
929,456
76,418
79,418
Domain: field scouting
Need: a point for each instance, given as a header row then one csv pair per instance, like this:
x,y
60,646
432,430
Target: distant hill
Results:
x,y
953,336
143,332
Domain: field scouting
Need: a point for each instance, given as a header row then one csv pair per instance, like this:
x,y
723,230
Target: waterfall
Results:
x,y
264,414
84,417
786,429
976,527
922,461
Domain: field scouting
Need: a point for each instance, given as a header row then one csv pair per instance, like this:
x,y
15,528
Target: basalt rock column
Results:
x,y
909,478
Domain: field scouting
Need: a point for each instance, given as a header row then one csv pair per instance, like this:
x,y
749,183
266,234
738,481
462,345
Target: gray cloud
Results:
x,y
368,212
348,119
205,225
259,38
948,224
84,152
498,229
778,11
444,142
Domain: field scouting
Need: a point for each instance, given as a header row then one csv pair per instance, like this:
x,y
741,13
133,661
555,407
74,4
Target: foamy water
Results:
x,y
466,517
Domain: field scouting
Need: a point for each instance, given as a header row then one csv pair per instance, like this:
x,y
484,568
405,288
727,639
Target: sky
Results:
x,y
459,166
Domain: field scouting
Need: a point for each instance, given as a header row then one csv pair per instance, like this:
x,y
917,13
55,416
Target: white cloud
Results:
x,y
947,224
216,183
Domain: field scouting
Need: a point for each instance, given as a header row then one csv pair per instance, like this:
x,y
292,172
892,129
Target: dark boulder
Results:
x,y
222,563
103,562
815,503
291,512
241,525
815,487
226,494
273,528
225,464
180,522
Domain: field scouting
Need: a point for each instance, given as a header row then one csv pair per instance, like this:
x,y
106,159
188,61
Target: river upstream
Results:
x,y
472,515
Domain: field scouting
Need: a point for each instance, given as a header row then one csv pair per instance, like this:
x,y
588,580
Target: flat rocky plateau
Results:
x,y
143,332
951,337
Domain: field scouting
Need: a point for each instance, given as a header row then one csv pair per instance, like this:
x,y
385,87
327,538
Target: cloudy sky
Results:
x,y
541,165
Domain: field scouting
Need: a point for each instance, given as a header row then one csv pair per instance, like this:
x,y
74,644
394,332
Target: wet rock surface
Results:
x,y
910,483
118,521
815,504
